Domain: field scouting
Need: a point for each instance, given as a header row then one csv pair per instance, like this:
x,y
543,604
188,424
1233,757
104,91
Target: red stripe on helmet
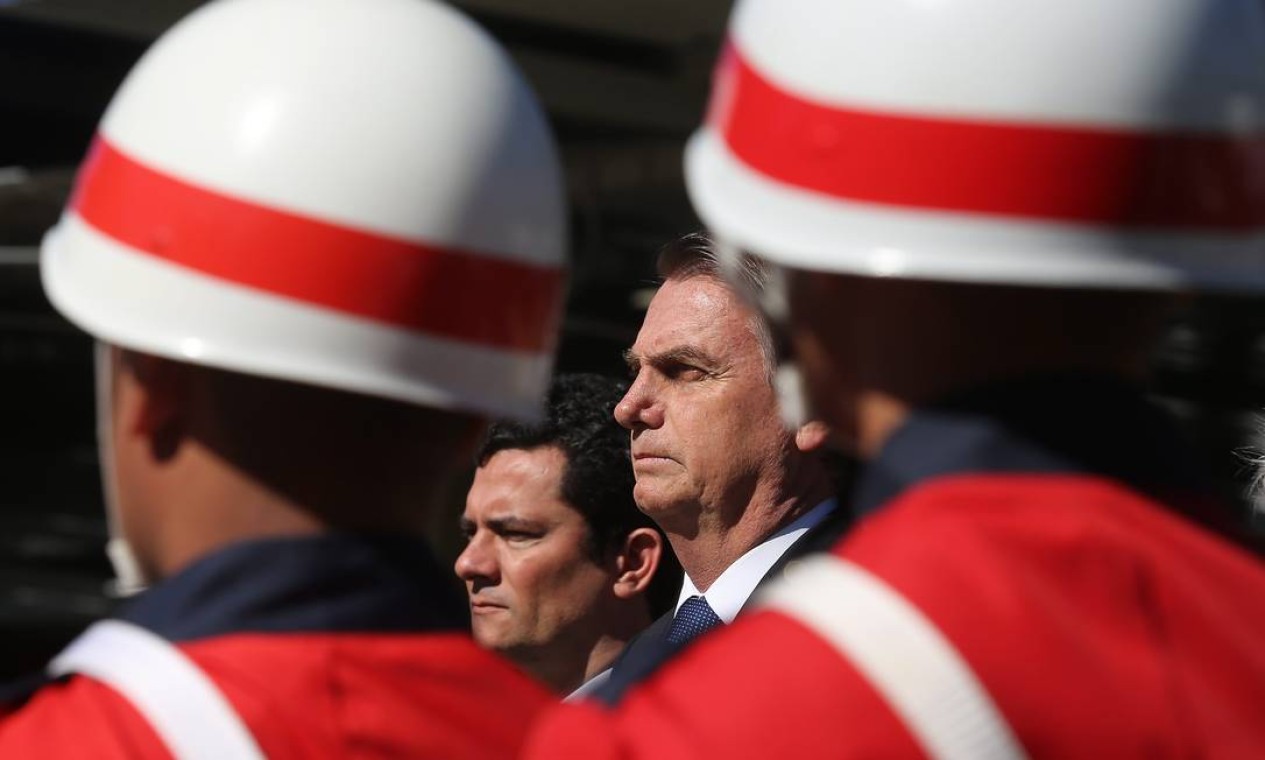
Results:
x,y
439,291
1183,180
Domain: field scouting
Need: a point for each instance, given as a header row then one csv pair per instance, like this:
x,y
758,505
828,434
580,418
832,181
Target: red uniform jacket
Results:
x,y
328,647
1052,532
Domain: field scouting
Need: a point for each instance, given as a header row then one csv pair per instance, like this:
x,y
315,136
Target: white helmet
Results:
x,y
1080,143
359,194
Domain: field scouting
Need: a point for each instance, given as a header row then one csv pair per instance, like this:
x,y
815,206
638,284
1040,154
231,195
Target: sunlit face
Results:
x,y
706,431
535,591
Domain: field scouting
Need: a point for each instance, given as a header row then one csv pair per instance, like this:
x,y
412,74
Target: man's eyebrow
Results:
x,y
680,354
674,355
511,523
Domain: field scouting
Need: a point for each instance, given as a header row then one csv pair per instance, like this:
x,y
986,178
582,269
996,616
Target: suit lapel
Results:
x,y
641,657
819,538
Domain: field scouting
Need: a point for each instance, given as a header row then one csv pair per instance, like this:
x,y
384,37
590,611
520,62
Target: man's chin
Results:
x,y
663,506
489,635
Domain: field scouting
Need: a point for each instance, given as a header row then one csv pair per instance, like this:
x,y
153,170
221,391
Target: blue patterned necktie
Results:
x,y
694,617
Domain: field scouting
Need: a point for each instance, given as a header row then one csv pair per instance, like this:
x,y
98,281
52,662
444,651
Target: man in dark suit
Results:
x,y
739,491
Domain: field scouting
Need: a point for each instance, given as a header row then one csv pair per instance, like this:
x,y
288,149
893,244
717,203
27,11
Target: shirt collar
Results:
x,y
1054,424
309,584
588,687
730,591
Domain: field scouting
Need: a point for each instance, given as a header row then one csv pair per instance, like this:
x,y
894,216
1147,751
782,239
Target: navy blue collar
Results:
x,y
1056,424
314,584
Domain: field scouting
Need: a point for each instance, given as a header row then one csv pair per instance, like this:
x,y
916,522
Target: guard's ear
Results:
x,y
812,436
153,400
637,562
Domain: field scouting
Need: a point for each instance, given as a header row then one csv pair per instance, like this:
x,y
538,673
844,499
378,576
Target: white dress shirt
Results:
x,y
734,586
589,686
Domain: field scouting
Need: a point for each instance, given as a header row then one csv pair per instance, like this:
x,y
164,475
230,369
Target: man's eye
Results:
x,y
519,537
687,373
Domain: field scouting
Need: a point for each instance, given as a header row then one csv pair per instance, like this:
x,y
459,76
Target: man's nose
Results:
x,y
477,563
639,408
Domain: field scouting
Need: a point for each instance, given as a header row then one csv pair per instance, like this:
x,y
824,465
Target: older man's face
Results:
x,y
706,432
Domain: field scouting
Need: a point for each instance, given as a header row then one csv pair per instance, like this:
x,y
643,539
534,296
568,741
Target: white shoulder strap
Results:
x,y
182,704
923,678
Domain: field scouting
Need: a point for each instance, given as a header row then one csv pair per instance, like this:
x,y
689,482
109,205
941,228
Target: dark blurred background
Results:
x,y
624,83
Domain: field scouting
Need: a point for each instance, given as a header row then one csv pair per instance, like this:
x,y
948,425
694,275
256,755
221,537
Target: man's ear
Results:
x,y
637,562
812,436
153,403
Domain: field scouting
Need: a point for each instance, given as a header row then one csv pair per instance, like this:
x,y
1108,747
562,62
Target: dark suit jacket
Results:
x,y
650,648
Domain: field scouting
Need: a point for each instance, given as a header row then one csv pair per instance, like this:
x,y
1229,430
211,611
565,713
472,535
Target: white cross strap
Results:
x,y
902,654
182,704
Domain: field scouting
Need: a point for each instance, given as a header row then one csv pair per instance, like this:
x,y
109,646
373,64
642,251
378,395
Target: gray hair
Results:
x,y
695,255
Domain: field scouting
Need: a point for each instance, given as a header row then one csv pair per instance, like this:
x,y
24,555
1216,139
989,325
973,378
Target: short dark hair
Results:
x,y
598,480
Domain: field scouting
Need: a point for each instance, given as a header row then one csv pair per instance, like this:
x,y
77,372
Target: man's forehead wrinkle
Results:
x,y
686,320
506,513
711,302
720,295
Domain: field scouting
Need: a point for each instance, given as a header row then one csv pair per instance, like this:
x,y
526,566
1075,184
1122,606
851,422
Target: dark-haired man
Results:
x,y
303,326
561,567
